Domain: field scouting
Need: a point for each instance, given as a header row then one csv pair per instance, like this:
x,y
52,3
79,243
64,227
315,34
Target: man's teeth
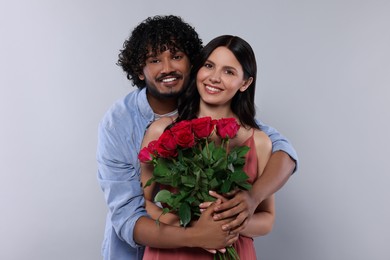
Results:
x,y
213,89
168,80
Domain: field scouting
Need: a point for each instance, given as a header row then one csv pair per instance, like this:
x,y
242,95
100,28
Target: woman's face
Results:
x,y
220,77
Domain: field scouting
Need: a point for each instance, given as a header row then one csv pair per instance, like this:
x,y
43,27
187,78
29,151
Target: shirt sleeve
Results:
x,y
279,142
120,181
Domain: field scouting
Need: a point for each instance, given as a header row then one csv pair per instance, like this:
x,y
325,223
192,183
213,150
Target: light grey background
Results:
x,y
324,78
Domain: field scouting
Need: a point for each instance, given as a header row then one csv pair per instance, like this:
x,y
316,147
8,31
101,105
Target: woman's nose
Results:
x,y
215,77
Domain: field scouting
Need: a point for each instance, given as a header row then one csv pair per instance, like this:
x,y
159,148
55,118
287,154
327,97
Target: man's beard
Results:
x,y
168,95
153,91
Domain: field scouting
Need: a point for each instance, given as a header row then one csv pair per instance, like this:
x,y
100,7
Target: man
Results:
x,y
157,59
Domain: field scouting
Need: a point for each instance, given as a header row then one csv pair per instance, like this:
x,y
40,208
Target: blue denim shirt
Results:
x,y
119,140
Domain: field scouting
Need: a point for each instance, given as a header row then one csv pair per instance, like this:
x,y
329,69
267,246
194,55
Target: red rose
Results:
x,y
184,138
152,147
227,127
183,134
182,125
166,145
202,127
144,155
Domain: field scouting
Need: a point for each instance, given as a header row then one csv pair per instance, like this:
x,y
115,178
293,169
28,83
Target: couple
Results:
x,y
157,58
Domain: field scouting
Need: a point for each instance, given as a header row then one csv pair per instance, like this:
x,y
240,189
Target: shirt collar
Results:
x,y
170,114
146,110
143,105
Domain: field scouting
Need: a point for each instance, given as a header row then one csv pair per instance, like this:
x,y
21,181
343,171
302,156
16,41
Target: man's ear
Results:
x,y
141,76
246,85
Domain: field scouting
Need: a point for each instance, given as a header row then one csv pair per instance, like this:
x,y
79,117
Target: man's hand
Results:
x,y
208,233
238,205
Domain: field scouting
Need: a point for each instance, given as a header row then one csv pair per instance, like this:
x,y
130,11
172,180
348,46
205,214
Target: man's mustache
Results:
x,y
172,74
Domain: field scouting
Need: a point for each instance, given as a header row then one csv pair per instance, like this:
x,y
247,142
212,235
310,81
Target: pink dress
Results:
x,y
244,245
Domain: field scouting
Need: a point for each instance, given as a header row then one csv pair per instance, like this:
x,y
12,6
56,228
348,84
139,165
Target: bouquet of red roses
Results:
x,y
189,164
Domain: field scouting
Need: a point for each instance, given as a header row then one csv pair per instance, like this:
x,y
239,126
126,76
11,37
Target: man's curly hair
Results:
x,y
158,33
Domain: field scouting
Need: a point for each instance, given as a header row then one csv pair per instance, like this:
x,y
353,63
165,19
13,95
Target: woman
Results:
x,y
223,86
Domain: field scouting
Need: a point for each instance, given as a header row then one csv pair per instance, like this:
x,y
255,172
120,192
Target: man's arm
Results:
x,y
278,170
119,180
280,143
280,166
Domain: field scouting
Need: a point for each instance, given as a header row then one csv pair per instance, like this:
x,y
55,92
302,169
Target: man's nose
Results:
x,y
167,66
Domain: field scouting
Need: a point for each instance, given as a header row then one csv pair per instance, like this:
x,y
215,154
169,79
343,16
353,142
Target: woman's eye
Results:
x,y
208,65
229,72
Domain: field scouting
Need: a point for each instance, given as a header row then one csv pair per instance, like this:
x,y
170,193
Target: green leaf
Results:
x,y
219,152
245,186
239,176
220,164
239,161
211,146
241,151
184,214
207,197
149,182
230,167
163,196
226,186
190,200
188,181
213,184
161,169
164,211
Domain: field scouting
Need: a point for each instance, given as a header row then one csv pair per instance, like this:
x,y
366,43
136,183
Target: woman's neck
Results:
x,y
215,112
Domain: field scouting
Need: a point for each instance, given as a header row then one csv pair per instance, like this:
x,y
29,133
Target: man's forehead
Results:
x,y
157,50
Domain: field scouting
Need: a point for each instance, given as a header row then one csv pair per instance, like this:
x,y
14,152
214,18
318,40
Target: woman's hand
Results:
x,y
203,206
221,199
212,229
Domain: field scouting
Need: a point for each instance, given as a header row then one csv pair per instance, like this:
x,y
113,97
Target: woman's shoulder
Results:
x,y
162,122
157,127
262,139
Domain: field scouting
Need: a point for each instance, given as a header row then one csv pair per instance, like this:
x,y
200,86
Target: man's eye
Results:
x,y
229,72
208,65
154,61
177,57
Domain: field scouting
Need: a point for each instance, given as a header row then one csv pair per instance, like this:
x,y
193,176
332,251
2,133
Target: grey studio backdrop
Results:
x,y
323,81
